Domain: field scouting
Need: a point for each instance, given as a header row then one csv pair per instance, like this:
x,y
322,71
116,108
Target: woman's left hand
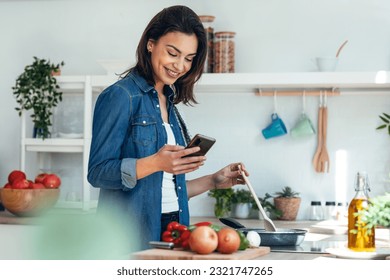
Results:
x,y
229,176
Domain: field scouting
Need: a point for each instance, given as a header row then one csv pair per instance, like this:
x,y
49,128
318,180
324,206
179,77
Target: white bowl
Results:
x,y
327,63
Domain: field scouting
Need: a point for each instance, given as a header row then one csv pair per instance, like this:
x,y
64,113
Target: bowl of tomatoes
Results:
x,y
29,198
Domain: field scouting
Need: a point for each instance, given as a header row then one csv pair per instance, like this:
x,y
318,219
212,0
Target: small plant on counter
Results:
x,y
287,192
386,119
269,208
223,201
242,203
377,213
242,196
36,88
287,201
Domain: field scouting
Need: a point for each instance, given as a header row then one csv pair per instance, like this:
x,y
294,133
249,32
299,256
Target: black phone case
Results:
x,y
204,142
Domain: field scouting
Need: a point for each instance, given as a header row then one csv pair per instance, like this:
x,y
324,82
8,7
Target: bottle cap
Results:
x,y
314,203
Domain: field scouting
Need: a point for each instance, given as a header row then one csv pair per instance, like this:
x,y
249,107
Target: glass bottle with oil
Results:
x,y
359,238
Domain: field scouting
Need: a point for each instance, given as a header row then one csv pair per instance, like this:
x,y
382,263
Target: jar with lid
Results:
x,y
330,210
224,52
359,238
316,211
342,211
207,22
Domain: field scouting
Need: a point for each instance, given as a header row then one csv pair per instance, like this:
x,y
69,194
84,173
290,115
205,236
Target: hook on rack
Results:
x,y
296,92
275,103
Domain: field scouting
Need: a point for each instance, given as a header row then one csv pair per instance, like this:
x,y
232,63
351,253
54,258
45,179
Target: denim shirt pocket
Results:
x,y
144,130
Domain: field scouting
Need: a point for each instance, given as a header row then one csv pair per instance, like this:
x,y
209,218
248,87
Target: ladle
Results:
x,y
268,224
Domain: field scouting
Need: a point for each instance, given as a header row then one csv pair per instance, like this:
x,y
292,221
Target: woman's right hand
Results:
x,y
170,158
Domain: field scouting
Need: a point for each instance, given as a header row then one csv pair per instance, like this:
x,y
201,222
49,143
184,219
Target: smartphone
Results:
x,y
202,141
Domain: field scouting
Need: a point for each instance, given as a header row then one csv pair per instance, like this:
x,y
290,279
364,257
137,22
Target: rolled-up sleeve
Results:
x,y
129,173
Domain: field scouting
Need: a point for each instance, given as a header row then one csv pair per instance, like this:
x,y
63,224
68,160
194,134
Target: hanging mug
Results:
x,y
275,128
304,127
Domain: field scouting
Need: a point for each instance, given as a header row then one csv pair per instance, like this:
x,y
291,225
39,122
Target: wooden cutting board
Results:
x,y
179,254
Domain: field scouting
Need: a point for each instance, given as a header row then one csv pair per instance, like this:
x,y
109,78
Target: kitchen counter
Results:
x,y
319,234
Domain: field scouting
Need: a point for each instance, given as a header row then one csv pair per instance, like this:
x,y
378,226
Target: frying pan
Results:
x,y
280,237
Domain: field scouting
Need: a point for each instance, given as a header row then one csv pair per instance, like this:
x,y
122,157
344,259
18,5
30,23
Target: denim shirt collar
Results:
x,y
169,90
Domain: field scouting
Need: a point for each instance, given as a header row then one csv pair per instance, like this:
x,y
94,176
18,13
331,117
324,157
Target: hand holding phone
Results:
x,y
202,141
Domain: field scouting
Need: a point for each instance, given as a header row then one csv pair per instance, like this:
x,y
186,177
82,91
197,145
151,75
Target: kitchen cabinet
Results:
x,y
343,83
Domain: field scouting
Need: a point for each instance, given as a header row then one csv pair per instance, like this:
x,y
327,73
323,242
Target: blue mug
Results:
x,y
275,128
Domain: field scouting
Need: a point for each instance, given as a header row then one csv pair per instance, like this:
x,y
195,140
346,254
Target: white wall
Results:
x,y
272,36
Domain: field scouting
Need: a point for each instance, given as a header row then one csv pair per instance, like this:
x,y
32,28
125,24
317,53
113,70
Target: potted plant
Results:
x,y
37,89
288,202
242,201
268,206
377,213
223,201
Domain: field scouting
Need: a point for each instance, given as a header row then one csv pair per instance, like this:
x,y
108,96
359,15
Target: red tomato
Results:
x,y
51,181
228,240
7,186
15,175
40,177
21,184
37,186
203,240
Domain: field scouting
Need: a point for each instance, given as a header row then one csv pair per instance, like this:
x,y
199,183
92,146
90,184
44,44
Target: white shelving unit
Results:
x,y
69,85
289,83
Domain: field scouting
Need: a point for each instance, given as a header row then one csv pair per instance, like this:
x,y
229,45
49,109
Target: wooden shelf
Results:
x,y
345,82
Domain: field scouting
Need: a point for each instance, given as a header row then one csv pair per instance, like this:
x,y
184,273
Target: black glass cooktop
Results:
x,y
310,246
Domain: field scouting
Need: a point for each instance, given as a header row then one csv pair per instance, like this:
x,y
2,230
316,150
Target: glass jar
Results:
x,y
224,52
68,117
207,22
316,211
342,211
359,238
330,210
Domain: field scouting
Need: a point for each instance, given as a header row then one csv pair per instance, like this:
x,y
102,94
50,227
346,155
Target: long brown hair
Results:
x,y
173,19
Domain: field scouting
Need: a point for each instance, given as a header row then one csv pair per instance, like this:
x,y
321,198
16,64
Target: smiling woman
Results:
x,y
138,157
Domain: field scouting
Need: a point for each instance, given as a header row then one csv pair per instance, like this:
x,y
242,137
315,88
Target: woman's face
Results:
x,y
172,57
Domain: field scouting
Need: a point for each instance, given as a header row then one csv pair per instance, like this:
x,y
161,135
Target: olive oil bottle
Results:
x,y
358,238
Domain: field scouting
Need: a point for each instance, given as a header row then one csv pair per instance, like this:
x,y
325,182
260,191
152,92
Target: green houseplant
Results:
x,y
223,201
377,213
37,89
287,201
242,203
268,206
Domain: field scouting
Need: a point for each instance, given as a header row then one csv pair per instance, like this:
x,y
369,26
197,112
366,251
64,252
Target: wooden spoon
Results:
x,y
323,160
341,47
268,223
319,144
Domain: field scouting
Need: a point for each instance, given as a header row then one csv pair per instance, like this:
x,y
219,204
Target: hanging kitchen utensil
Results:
x,y
319,144
268,224
304,127
276,127
324,161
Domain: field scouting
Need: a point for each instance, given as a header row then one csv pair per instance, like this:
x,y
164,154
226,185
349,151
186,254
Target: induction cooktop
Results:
x,y
310,247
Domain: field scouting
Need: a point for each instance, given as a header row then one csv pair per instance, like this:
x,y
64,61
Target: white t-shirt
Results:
x,y
169,196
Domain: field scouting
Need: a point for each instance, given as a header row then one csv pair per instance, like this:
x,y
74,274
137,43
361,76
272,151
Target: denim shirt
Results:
x,y
127,125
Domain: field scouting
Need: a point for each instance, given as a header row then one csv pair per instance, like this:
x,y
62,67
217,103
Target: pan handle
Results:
x,y
231,223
